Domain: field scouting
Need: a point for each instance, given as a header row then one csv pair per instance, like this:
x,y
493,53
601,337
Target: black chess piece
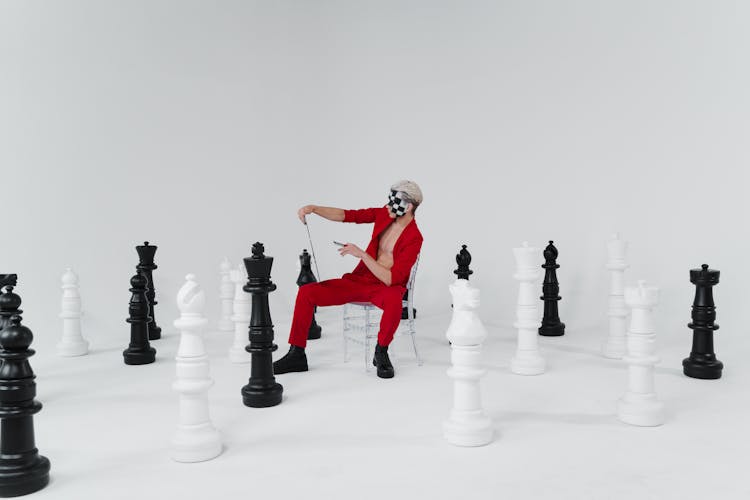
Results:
x,y
551,324
146,267
306,276
405,307
463,259
702,362
9,301
22,469
139,352
262,390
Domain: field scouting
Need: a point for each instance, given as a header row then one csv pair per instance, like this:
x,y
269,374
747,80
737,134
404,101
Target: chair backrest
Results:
x,y
410,288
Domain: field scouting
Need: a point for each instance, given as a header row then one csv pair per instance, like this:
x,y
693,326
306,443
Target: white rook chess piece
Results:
x,y
467,424
639,405
614,346
72,342
196,439
528,360
226,294
241,317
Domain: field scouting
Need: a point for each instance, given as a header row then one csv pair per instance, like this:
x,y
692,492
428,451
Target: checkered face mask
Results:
x,y
397,204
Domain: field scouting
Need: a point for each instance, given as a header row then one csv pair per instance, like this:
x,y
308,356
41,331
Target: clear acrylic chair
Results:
x,y
362,322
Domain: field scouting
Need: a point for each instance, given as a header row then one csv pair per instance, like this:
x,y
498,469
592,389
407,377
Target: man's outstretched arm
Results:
x,y
330,213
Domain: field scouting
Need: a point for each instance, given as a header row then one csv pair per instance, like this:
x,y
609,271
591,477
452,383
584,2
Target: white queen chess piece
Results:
x,y
241,317
528,359
226,294
72,342
196,439
614,346
639,405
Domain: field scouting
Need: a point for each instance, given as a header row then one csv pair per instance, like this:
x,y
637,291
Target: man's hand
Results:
x,y
302,212
352,249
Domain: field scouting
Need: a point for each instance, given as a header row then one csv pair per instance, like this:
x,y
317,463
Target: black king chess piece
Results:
x,y
551,324
702,362
22,469
139,352
262,390
306,276
9,300
146,267
463,259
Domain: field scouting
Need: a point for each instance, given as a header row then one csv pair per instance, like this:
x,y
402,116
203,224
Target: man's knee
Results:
x,y
391,299
308,293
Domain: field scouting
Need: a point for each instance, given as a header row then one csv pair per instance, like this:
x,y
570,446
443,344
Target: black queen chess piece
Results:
x,y
146,266
139,351
262,390
306,276
551,324
702,362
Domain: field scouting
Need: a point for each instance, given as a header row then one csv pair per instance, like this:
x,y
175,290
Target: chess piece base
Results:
x,y
314,332
154,332
614,348
530,365
196,443
239,355
468,428
262,398
69,349
552,330
17,481
707,369
139,357
640,409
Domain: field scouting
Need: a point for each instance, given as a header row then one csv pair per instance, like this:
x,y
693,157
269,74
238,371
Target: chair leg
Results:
x,y
413,334
367,340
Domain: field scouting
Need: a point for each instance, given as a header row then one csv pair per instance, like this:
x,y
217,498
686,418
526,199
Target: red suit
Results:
x,y
361,285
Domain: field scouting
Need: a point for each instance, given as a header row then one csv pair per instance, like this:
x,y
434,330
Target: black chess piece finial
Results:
x,y
306,276
146,267
9,301
702,362
463,259
22,469
139,352
551,324
262,390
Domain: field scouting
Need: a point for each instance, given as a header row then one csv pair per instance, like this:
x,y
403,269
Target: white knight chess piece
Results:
x,y
72,342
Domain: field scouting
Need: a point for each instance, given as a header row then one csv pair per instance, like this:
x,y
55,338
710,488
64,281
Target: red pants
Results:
x,y
341,291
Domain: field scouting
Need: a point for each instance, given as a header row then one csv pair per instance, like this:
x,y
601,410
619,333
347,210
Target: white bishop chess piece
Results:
x,y
528,359
72,342
614,346
226,294
241,317
196,439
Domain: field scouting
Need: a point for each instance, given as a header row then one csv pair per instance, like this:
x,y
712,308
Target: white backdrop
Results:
x,y
203,126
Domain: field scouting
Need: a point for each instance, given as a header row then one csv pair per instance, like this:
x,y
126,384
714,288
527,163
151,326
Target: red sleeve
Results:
x,y
404,261
362,216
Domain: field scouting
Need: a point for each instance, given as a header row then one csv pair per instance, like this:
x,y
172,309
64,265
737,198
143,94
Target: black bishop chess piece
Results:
x,y
306,276
146,267
139,351
463,259
702,362
9,300
551,324
262,390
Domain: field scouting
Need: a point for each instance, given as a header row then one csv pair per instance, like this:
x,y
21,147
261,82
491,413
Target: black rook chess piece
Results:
x,y
9,301
702,362
139,352
306,276
463,259
551,324
262,390
146,267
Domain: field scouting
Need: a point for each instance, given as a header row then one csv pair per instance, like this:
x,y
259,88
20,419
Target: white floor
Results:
x,y
344,433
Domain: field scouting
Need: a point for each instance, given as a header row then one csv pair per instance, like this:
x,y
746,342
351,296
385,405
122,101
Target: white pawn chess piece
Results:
x,y
639,405
528,359
615,346
72,342
467,425
226,294
241,317
196,439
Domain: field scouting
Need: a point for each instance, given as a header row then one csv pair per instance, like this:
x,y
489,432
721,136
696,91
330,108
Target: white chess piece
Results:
x,y
639,405
241,317
226,294
72,342
196,439
614,346
467,424
528,359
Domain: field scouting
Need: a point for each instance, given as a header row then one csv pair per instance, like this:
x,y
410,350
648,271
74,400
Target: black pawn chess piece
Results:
x,y
307,276
551,324
146,267
702,362
9,301
463,259
22,469
262,390
139,352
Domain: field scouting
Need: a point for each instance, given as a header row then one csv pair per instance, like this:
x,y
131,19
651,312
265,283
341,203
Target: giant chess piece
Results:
x,y
9,300
226,294
240,317
72,342
551,325
22,469
196,439
639,405
614,346
146,266
702,362
467,424
262,390
528,360
306,276
405,307
139,352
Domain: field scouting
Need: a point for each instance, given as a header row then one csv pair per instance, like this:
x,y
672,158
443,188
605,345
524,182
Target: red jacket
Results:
x,y
405,250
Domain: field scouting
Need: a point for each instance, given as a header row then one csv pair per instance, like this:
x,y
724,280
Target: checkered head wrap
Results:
x,y
397,203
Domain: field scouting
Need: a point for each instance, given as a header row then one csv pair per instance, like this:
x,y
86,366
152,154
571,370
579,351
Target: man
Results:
x,y
380,277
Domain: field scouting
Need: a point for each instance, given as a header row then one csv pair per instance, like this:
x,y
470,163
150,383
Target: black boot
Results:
x,y
294,361
382,362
